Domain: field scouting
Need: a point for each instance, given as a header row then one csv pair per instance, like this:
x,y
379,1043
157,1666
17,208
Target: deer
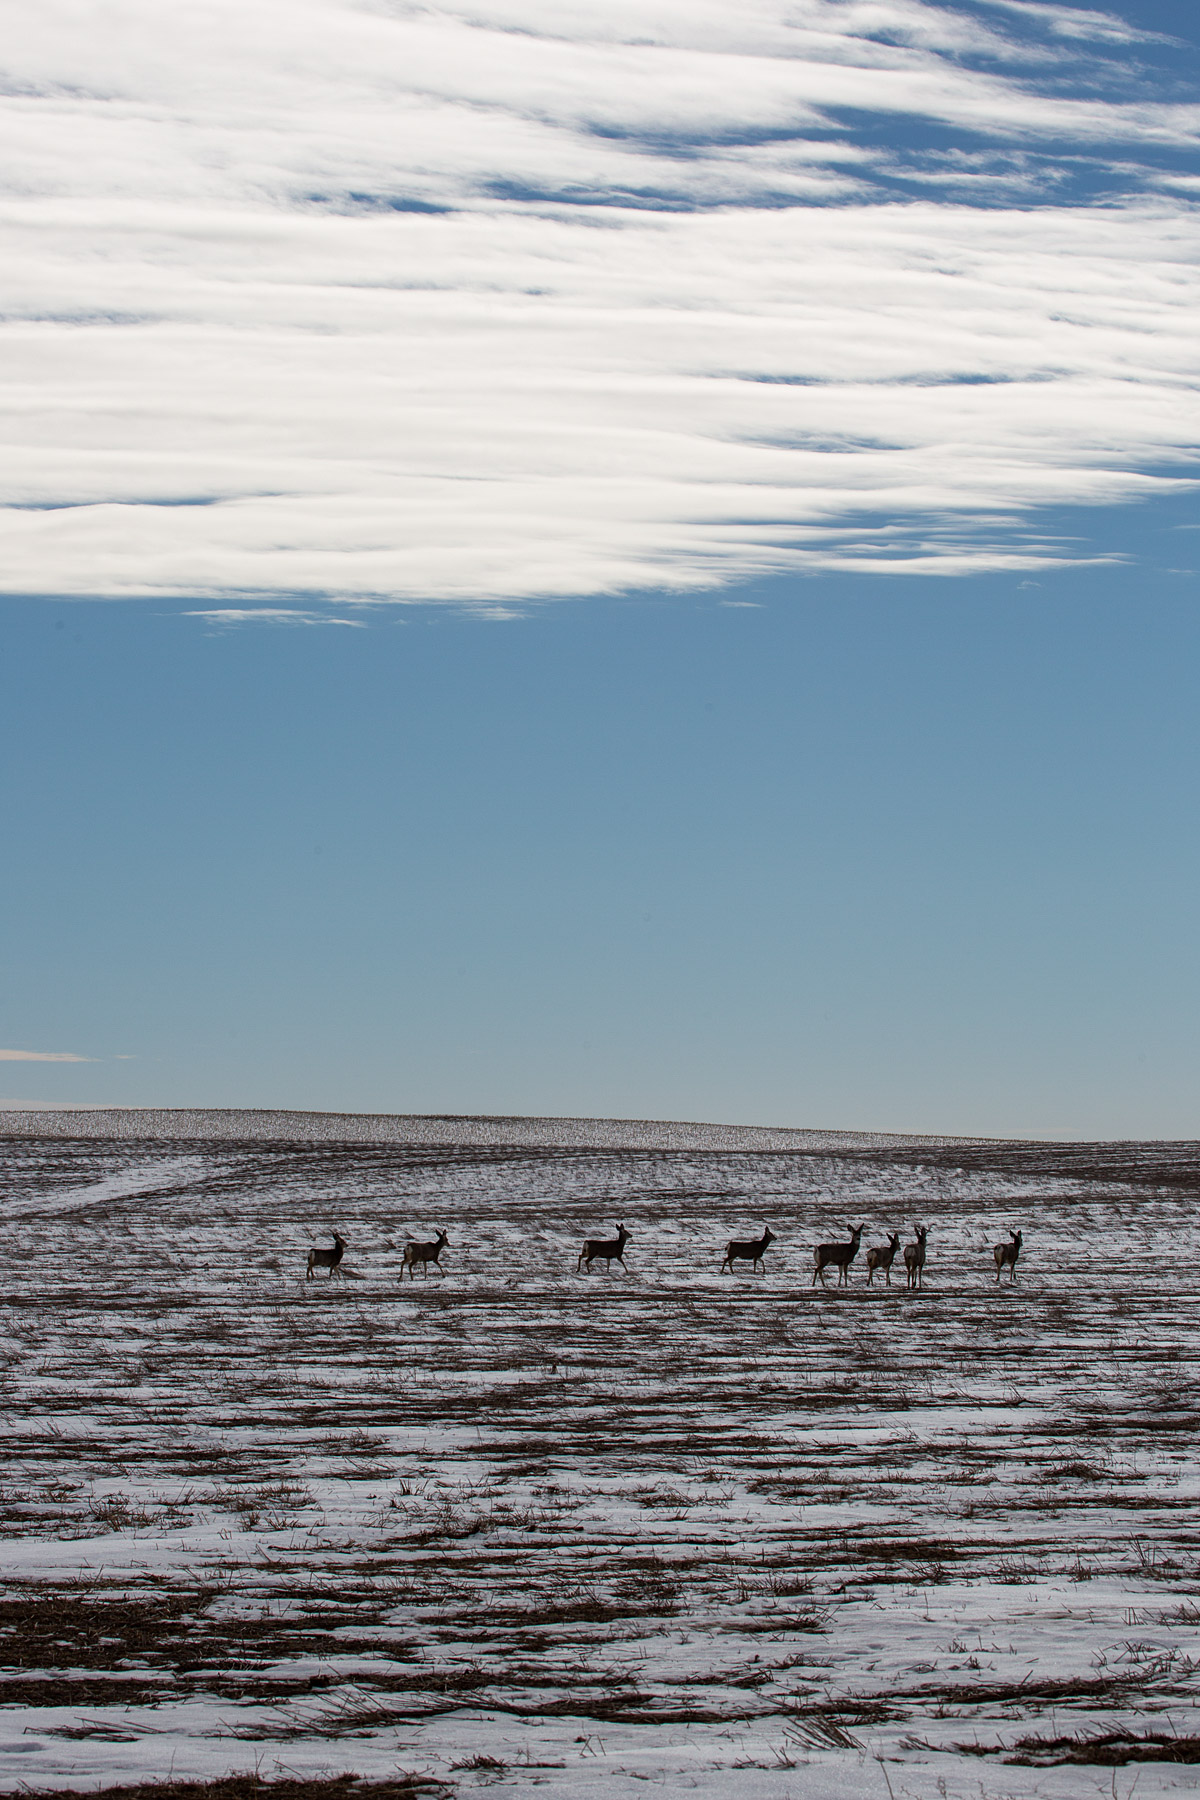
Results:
x,y
840,1255
751,1250
1006,1255
914,1256
610,1250
326,1259
882,1256
423,1254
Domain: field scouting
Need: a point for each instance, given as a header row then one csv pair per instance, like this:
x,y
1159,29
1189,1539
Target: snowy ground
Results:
x,y
527,1529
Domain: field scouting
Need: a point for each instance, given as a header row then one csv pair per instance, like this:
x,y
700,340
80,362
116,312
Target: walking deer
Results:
x,y
840,1255
423,1254
607,1250
882,1256
751,1250
326,1259
914,1257
1006,1255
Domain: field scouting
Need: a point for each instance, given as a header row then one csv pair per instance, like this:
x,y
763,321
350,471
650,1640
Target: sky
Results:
x,y
617,559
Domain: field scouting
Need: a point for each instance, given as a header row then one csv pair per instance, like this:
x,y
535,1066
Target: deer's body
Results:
x,y
605,1250
882,1256
839,1255
751,1250
1006,1255
423,1254
326,1259
914,1257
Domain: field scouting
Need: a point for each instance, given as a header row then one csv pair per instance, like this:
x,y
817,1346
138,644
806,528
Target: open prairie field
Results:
x,y
518,1527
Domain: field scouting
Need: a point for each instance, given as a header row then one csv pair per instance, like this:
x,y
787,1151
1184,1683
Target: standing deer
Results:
x,y
751,1250
914,1256
423,1254
840,1255
1006,1255
326,1259
609,1250
882,1256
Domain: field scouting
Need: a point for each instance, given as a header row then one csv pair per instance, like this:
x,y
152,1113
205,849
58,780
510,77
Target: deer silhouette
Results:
x,y
882,1256
914,1257
840,1255
606,1250
424,1254
751,1250
326,1259
1006,1255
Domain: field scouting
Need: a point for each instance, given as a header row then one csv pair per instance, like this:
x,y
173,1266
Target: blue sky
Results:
x,y
646,569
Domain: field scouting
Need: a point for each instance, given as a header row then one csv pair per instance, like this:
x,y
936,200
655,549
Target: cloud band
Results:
x,y
375,302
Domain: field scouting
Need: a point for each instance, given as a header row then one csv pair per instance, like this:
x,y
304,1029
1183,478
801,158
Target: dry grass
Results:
x,y
1105,1749
254,1787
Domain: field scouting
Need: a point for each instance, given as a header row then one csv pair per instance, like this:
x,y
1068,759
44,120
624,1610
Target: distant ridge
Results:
x,y
234,1124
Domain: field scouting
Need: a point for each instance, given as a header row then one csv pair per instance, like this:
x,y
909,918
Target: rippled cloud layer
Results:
x,y
483,303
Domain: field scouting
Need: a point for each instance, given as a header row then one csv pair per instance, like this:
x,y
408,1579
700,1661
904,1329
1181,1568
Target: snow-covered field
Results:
x,y
529,1529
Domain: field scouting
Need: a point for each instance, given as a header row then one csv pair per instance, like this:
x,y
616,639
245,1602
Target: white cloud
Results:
x,y
268,615
360,302
1080,22
42,1056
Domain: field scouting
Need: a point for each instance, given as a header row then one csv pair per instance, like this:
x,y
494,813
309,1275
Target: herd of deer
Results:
x,y
879,1258
751,1250
414,1254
